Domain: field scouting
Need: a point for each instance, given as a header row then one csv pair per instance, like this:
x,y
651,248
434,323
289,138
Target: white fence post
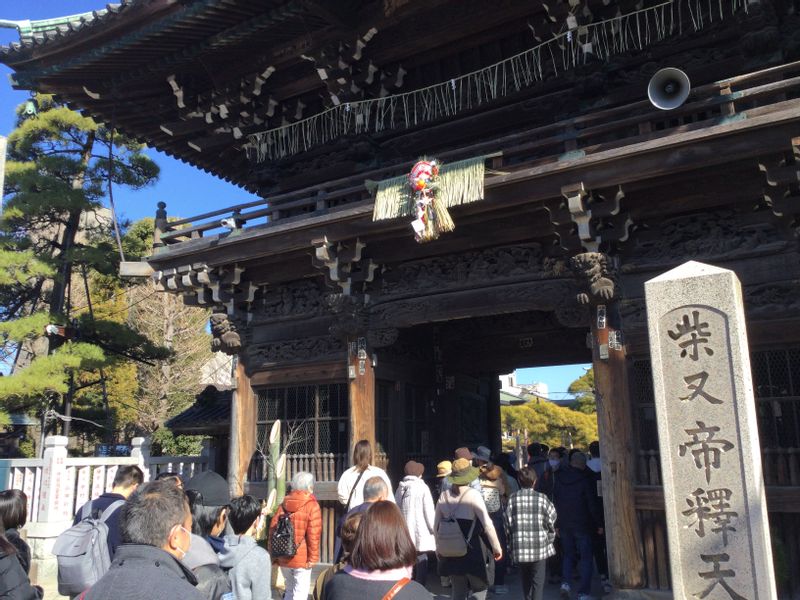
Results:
x,y
55,508
53,504
140,449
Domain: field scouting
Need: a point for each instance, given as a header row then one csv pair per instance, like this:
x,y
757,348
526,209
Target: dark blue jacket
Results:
x,y
575,498
99,504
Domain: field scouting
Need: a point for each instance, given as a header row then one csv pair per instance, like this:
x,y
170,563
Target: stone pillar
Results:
x,y
140,448
708,436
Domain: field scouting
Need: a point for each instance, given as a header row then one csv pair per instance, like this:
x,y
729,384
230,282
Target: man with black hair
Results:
x,y
536,458
248,563
127,479
156,534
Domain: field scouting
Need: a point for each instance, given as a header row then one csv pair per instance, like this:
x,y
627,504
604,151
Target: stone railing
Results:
x,y
57,486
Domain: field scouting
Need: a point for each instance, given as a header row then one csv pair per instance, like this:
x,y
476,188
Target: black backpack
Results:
x,y
282,542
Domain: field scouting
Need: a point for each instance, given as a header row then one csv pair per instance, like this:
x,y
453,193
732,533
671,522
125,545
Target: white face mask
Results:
x,y
181,550
554,463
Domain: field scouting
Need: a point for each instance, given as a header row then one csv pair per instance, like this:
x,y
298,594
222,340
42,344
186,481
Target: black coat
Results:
x,y
575,498
14,583
145,573
23,550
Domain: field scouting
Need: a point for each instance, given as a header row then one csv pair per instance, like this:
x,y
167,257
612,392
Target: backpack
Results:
x,y
82,551
450,540
282,543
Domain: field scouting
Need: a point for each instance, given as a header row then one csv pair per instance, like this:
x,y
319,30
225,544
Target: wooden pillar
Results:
x,y
614,421
495,429
362,393
243,431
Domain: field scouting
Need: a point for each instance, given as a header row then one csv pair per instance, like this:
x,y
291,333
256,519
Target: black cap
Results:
x,y
213,488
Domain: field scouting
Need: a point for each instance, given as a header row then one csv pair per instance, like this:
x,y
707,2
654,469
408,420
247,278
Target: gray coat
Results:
x,y
212,581
249,566
141,572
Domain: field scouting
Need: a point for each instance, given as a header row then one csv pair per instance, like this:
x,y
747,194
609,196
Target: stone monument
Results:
x,y
710,454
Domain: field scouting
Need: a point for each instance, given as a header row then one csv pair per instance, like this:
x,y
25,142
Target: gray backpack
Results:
x,y
82,551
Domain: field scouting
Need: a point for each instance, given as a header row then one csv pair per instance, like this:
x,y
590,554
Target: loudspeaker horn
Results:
x,y
668,88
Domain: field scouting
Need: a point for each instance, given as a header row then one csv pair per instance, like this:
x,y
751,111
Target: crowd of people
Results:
x,y
174,539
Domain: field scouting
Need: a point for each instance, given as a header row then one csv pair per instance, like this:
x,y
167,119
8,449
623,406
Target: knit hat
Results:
x,y
483,454
464,453
212,487
414,468
463,472
444,468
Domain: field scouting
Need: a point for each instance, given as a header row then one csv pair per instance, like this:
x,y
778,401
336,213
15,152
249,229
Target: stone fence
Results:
x,y
57,485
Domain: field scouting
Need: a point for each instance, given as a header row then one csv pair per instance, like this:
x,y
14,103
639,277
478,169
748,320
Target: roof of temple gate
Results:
x,y
275,95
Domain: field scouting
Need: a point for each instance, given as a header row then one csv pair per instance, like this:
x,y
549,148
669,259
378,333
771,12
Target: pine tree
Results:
x,y
583,390
53,227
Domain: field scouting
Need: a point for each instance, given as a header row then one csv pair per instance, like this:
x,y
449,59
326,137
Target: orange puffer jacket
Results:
x,y
307,521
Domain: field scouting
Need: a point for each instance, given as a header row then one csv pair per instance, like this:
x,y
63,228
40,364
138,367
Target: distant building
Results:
x,y
512,393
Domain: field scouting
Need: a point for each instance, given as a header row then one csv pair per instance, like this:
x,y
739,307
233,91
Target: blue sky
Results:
x,y
556,378
186,190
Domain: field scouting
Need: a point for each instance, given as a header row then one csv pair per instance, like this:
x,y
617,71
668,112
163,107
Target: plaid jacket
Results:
x,y
531,518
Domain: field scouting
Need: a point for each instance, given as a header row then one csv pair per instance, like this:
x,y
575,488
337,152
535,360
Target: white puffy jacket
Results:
x,y
414,499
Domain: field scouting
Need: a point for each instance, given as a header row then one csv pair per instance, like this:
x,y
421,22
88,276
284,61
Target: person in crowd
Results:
x,y
248,564
599,539
537,459
576,505
14,582
494,490
382,559
503,461
201,559
468,455
466,505
172,476
375,490
546,484
413,497
443,469
351,483
307,520
209,497
13,516
531,519
156,534
126,481
348,533
547,481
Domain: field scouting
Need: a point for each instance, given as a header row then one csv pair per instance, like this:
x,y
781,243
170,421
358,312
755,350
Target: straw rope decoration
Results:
x,y
460,182
566,50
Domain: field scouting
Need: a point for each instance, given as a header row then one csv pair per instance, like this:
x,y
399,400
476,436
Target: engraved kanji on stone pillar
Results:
x,y
708,436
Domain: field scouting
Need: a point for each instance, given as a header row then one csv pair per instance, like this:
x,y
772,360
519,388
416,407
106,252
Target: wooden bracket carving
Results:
x,y
782,183
584,220
222,289
343,265
596,276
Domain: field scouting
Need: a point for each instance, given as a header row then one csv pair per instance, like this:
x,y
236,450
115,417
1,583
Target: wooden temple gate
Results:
x,y
347,328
